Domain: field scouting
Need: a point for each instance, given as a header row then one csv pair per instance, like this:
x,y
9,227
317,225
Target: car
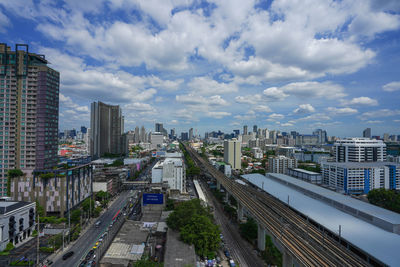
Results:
x,y
100,239
67,255
83,263
98,223
227,254
89,255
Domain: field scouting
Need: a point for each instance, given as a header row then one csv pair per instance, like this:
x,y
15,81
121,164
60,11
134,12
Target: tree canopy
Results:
x,y
385,198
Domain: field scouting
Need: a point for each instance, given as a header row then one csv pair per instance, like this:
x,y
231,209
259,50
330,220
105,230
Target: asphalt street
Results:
x,y
86,242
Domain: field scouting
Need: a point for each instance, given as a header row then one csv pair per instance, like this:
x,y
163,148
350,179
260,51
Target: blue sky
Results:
x,y
219,65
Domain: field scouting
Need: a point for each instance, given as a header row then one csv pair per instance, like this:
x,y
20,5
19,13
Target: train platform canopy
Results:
x,y
373,240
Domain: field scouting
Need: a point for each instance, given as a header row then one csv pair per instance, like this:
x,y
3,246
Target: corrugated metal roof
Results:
x,y
375,241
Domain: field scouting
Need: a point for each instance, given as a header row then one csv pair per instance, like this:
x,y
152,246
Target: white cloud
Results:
x,y
360,101
4,22
379,113
249,99
303,109
327,90
374,121
276,116
314,117
341,111
208,86
191,99
391,87
274,94
286,124
262,108
218,114
68,103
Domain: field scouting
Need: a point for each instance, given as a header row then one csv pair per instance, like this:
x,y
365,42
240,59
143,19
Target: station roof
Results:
x,y
379,243
307,172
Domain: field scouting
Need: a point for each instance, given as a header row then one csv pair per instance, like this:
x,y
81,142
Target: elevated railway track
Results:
x,y
301,239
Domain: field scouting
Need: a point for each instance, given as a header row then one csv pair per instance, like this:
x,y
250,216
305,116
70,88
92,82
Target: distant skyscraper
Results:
x,y
159,127
322,138
255,128
143,135
367,133
236,132
233,154
137,135
190,133
184,136
106,123
29,113
245,130
173,133
83,129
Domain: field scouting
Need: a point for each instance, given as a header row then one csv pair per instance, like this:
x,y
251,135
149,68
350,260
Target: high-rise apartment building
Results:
x,y
29,95
367,133
322,137
190,133
106,124
359,150
143,135
255,128
245,130
137,135
233,153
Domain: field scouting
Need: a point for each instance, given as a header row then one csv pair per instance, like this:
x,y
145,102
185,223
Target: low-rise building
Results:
x,y
57,190
171,171
17,222
360,177
309,176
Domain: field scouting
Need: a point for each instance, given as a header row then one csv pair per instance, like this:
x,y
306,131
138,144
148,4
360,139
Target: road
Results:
x,y
240,250
86,241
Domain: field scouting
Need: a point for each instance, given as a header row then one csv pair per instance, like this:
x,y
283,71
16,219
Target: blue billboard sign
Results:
x,y
153,199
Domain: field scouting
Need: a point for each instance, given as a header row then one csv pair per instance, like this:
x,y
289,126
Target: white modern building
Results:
x,y
359,150
17,221
281,164
156,140
257,153
360,177
233,153
171,171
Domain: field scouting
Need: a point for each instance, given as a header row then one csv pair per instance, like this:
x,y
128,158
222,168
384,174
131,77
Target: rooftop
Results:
x,y
9,206
379,243
307,172
177,253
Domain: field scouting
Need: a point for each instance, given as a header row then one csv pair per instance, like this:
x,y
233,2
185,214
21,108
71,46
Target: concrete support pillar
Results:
x,y
227,197
218,185
287,259
240,211
261,237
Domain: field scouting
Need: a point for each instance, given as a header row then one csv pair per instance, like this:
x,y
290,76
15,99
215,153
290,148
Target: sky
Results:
x,y
218,65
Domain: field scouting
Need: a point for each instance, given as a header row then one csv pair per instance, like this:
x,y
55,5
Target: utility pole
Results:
x,y
37,248
69,226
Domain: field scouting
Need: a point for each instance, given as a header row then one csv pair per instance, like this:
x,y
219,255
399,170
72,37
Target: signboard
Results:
x,y
158,154
153,199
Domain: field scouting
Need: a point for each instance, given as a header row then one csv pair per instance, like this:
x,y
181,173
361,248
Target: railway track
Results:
x,y
302,240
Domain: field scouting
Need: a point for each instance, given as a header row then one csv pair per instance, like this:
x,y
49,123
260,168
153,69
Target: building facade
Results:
x,y
62,191
17,221
233,153
281,164
171,171
29,95
360,177
367,133
106,124
359,150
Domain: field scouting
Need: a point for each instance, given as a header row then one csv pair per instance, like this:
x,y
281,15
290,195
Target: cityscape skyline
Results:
x,y
211,66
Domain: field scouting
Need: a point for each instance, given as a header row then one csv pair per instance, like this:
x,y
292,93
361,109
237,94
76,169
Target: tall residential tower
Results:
x,y
29,96
107,126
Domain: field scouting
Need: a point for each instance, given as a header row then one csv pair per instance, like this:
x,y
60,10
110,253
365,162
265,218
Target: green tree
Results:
x,y
249,229
75,216
203,234
385,198
183,213
39,209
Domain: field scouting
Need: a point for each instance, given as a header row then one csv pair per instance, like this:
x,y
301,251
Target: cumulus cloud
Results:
x,y
208,86
303,109
273,93
360,101
249,99
262,108
276,116
379,113
341,111
374,121
391,87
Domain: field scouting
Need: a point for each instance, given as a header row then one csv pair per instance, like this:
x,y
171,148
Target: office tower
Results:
x,y
359,150
173,133
367,133
159,127
190,133
137,135
83,129
321,136
106,123
385,137
236,132
29,113
245,130
143,135
184,136
255,128
233,153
